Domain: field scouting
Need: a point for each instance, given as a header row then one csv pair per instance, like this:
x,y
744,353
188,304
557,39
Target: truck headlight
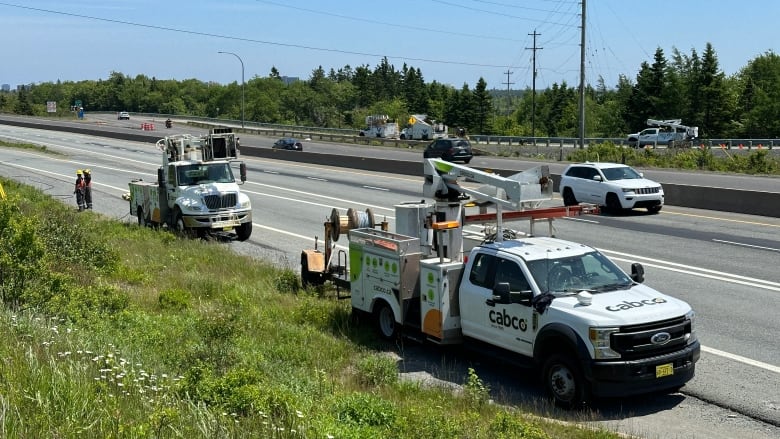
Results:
x,y
692,317
599,338
193,204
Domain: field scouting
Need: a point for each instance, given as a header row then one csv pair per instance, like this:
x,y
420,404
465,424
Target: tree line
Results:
x,y
686,86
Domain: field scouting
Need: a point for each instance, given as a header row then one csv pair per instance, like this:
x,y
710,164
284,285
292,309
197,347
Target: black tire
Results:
x,y
385,321
564,382
178,224
244,231
466,161
613,204
654,209
568,197
139,212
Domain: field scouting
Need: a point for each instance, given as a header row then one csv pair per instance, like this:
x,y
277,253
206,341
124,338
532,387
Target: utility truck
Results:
x,y
420,127
671,133
380,125
196,191
557,306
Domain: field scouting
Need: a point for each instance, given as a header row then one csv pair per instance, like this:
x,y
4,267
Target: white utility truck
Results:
x,y
196,191
558,306
380,125
421,128
670,133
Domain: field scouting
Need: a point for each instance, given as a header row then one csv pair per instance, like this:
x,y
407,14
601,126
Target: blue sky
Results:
x,y
451,41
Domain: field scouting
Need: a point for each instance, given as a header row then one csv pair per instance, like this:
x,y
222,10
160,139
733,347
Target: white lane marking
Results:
x,y
742,244
714,274
741,359
41,171
316,178
377,188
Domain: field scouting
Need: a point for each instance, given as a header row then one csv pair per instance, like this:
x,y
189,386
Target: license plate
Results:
x,y
663,370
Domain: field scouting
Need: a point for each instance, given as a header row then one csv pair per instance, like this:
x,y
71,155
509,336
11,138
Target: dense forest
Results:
x,y
691,87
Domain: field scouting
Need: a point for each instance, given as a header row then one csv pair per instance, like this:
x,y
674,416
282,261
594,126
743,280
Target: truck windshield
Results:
x,y
204,173
593,272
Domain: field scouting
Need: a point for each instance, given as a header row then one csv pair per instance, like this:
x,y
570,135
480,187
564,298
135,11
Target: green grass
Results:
x,y
20,145
111,330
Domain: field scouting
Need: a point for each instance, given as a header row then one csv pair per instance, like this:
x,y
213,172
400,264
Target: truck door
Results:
x,y
507,325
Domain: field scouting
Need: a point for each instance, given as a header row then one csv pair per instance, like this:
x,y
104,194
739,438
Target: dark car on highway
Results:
x,y
451,150
288,143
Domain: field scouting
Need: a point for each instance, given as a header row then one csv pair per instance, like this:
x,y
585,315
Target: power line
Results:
x,y
437,30
251,40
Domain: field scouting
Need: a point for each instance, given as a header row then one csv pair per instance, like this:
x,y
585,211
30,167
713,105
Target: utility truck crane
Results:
x,y
556,306
671,133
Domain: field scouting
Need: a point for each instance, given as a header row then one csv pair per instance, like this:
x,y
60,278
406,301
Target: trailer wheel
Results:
x,y
244,231
385,321
565,382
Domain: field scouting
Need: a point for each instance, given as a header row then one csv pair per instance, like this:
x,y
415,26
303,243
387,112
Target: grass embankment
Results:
x,y
111,330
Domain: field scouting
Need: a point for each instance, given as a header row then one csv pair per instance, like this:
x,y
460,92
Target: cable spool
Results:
x,y
352,220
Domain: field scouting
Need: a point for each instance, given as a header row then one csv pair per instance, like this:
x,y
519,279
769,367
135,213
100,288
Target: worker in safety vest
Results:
x,y
80,189
88,188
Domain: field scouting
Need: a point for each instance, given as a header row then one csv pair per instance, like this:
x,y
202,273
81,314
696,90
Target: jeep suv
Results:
x,y
451,150
612,185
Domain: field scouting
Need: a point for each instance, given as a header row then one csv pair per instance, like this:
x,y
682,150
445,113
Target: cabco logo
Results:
x,y
628,305
505,320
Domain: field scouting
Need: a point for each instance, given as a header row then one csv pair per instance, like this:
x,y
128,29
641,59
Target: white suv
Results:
x,y
611,185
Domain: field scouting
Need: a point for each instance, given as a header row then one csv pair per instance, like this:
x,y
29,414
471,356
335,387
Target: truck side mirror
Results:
x,y
501,293
637,272
521,296
242,172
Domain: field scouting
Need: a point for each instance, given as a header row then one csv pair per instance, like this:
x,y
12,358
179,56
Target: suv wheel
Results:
x,y
613,203
568,197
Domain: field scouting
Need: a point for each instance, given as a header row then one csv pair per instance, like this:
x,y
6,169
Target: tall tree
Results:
x,y
759,98
483,107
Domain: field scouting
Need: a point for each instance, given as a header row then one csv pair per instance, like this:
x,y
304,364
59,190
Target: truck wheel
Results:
x,y
564,382
141,218
244,231
385,321
568,197
178,223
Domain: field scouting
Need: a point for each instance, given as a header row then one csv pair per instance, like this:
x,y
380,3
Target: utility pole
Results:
x,y
508,92
533,85
582,79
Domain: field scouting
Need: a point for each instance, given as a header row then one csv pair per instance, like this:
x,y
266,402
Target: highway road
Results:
x,y
724,265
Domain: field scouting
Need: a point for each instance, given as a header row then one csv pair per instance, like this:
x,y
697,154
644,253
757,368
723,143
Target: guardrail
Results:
x,y
336,134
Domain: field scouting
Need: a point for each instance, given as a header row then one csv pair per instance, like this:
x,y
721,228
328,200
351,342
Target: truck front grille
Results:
x,y
635,341
221,201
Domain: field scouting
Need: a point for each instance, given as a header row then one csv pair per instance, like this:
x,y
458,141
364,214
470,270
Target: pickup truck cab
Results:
x,y
590,328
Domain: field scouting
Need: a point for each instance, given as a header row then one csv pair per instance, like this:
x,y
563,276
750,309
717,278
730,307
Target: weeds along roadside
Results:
x,y
115,330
